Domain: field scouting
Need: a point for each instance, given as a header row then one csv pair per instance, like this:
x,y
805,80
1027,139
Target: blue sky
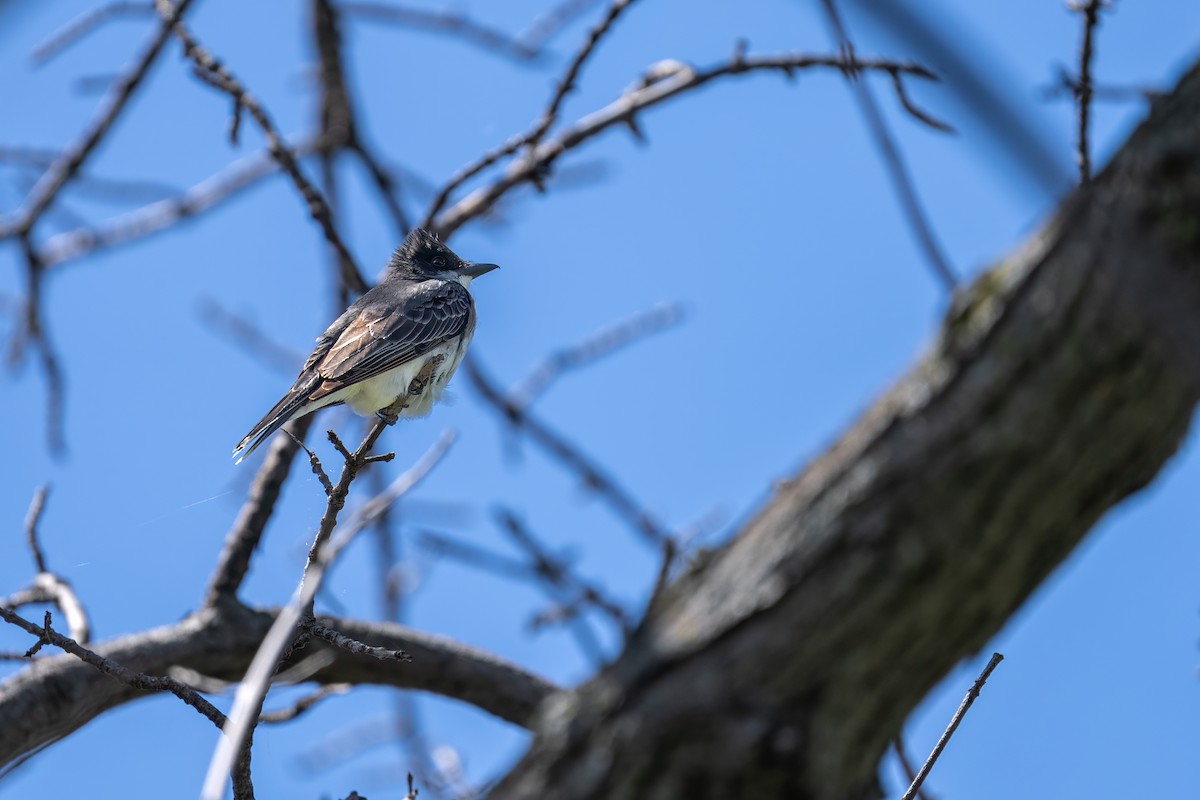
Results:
x,y
757,204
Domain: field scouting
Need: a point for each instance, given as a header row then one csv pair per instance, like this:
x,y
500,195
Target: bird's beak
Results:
x,y
472,270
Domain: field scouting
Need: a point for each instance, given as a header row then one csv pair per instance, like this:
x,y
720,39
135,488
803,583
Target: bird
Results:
x,y
404,337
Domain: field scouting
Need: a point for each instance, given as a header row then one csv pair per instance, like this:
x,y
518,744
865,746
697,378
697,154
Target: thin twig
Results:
x,y
214,72
558,574
567,84
910,773
533,137
393,593
160,215
250,337
150,683
953,726
49,587
254,687
387,185
447,22
304,704
1067,85
317,468
351,645
86,23
592,476
551,23
122,190
242,540
36,336
32,517
566,610
1083,88
623,111
599,345
67,167
897,170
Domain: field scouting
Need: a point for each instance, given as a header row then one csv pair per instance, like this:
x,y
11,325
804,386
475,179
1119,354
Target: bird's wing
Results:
x,y
379,339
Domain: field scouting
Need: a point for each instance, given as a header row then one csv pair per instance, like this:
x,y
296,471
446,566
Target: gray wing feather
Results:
x,y
372,337
378,340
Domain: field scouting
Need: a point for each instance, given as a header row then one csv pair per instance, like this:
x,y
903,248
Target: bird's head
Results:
x,y
424,256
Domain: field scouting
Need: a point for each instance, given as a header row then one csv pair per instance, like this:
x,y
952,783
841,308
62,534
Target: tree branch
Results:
x,y
666,81
168,212
914,790
1062,381
1090,11
55,696
242,540
68,166
216,74
325,550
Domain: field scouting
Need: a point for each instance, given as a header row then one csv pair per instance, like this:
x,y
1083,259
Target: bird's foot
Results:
x,y
417,387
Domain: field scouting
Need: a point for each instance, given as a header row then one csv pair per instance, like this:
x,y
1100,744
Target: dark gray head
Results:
x,y
424,256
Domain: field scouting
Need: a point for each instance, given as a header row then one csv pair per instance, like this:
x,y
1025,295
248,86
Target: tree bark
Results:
x,y
780,666
1061,382
56,696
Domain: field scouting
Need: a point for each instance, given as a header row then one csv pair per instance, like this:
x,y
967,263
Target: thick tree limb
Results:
x,y
1062,381
55,696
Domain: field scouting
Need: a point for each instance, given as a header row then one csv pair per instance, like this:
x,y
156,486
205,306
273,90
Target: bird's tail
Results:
x,y
275,419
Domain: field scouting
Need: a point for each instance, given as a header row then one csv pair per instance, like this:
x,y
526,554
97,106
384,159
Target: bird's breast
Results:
x,y
381,391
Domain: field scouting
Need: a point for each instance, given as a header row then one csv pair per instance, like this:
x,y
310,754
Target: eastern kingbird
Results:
x,y
419,316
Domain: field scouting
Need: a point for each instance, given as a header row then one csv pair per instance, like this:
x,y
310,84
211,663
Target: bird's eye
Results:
x,y
438,261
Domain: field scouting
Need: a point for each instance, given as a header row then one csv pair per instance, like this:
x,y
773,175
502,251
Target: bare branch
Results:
x,y
304,704
254,687
540,128
149,683
67,167
387,185
1090,10
32,517
549,24
446,22
567,84
599,345
1060,384
963,708
592,476
242,332
113,189
243,538
35,335
552,575
86,23
557,573
668,83
910,773
888,149
1067,85
161,215
221,641
57,590
351,645
216,74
